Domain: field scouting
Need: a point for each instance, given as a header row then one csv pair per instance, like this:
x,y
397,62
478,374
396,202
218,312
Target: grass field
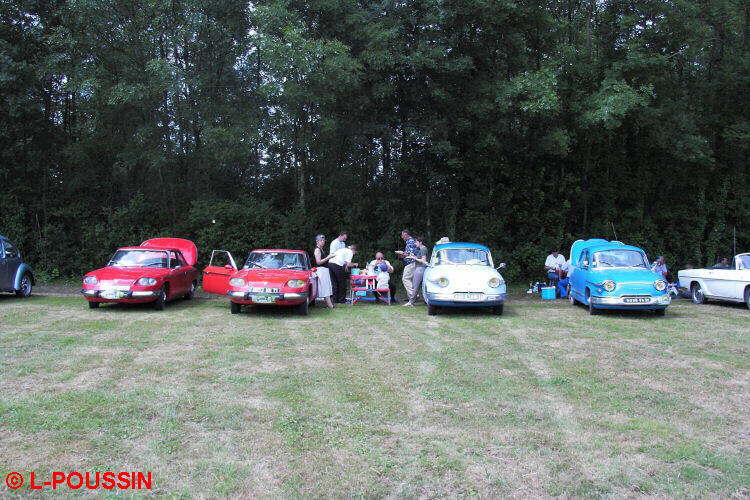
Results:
x,y
377,400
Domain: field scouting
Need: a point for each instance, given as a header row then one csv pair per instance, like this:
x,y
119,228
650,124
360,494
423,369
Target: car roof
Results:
x,y
277,250
611,245
443,246
156,249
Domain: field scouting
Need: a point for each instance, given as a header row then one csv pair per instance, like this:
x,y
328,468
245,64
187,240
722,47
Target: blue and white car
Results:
x,y
462,275
611,275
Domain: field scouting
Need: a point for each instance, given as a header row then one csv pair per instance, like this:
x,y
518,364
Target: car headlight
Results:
x,y
237,282
146,281
442,282
90,280
494,282
660,285
608,285
295,283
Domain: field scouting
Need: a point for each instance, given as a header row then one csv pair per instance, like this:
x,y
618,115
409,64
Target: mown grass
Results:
x,y
379,401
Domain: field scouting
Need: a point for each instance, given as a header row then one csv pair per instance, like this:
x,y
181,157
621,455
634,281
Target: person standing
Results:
x,y
339,266
420,264
338,243
660,267
409,264
325,287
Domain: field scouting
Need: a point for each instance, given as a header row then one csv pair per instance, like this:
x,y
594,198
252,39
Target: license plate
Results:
x,y
636,300
264,290
264,299
467,296
112,294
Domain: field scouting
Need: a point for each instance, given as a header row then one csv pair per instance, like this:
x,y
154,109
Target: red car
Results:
x,y
269,277
159,270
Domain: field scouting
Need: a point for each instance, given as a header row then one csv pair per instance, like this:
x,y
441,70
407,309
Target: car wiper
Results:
x,y
260,266
292,267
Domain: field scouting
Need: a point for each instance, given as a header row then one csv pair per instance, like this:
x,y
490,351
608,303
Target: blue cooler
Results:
x,y
548,293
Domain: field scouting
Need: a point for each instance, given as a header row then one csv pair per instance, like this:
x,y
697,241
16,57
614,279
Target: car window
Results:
x,y
584,257
10,250
619,258
276,260
743,262
466,256
176,259
138,258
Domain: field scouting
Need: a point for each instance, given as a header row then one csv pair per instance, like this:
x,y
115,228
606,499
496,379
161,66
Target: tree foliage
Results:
x,y
520,124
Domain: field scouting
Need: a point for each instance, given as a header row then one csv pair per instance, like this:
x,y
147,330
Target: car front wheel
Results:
x,y
235,308
747,298
660,312
593,311
93,305
161,300
431,310
497,310
570,296
696,292
302,308
26,286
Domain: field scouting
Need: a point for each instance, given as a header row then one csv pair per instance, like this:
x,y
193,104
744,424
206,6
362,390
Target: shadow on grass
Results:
x,y
116,307
474,312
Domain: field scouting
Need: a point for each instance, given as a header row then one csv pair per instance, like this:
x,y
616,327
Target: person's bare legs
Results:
x,y
328,302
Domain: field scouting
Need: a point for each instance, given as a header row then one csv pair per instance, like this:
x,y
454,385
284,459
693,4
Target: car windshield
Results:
x,y
743,261
464,256
139,258
619,258
275,260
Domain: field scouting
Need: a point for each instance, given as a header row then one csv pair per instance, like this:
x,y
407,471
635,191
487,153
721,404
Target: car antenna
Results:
x,y
613,230
734,239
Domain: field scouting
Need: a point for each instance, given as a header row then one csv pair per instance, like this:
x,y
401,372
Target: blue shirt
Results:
x,y
411,247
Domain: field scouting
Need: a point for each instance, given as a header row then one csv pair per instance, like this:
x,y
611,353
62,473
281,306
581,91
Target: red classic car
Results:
x,y
275,277
159,270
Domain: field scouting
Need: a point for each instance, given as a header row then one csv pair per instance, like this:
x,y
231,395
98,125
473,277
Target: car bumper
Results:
x,y
450,300
128,296
659,302
282,299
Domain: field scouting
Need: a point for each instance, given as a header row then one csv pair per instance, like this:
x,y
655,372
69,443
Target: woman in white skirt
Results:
x,y
325,290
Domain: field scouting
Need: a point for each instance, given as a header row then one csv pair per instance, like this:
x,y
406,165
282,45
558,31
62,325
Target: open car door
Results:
x,y
216,275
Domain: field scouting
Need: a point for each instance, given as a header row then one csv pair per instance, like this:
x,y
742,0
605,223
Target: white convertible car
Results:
x,y
731,284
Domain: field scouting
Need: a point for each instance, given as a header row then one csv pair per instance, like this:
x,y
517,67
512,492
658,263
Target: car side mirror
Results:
x,y
585,263
313,269
228,266
501,266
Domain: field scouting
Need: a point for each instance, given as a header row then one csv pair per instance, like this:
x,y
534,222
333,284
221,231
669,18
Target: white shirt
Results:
x,y
342,257
336,245
555,263
371,266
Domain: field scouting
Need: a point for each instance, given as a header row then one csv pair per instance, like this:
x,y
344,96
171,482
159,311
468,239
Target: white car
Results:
x,y
462,275
732,285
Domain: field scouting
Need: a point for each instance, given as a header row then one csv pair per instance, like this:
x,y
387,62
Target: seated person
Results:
x,y
659,267
554,265
722,263
382,268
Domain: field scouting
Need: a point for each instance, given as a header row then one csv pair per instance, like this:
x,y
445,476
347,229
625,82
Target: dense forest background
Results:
x,y
521,124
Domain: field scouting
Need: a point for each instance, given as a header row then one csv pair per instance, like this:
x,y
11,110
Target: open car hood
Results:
x,y
186,247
